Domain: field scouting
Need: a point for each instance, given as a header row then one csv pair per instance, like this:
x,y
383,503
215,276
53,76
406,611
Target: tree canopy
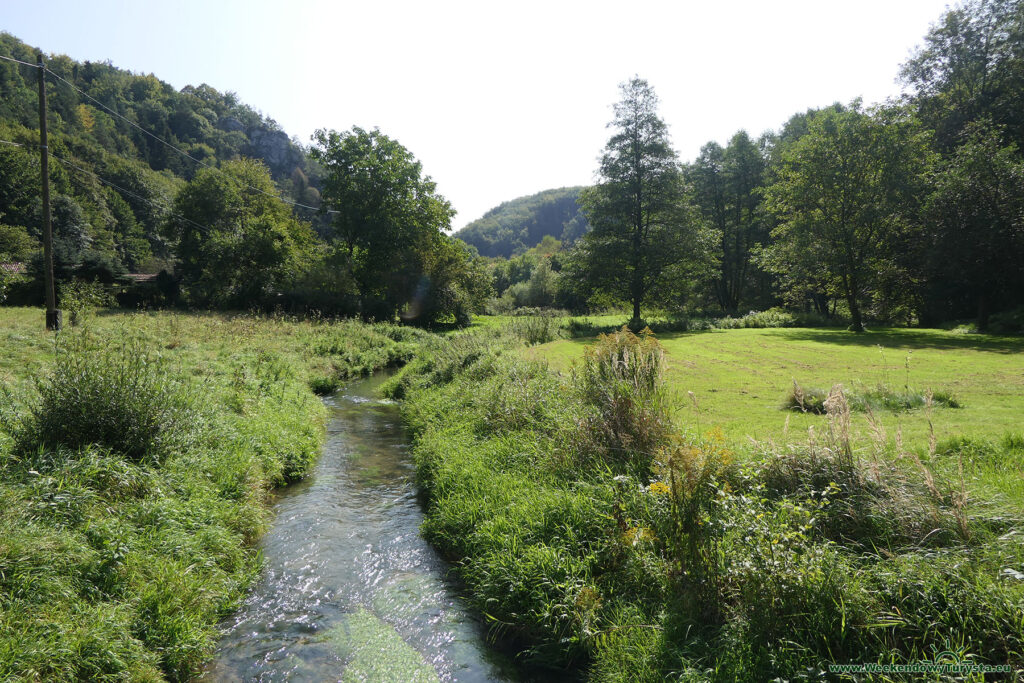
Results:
x,y
238,244
846,193
390,221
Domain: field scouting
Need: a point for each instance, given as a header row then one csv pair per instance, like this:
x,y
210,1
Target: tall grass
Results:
x,y
134,480
595,535
119,395
621,380
881,398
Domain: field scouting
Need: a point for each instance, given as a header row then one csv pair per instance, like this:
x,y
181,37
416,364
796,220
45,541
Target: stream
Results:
x,y
350,591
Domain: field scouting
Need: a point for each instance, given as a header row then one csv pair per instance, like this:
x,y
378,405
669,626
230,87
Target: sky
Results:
x,y
500,99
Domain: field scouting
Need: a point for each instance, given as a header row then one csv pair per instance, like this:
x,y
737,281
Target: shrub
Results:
x,y
534,329
622,379
79,298
119,396
1007,322
773,317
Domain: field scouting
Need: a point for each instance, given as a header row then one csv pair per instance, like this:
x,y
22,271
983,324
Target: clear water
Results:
x,y
350,591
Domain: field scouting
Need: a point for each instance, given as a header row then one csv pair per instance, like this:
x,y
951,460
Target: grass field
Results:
x,y
617,534
136,457
740,377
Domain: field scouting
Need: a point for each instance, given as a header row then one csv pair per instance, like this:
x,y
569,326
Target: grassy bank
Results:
x,y
610,535
136,458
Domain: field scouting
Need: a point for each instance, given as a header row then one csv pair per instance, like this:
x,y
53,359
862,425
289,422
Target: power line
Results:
x,y
12,59
181,151
205,229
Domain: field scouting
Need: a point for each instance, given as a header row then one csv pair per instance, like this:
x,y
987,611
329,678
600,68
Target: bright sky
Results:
x,y
499,100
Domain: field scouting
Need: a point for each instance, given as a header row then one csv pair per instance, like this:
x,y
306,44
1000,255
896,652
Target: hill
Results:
x,y
517,225
112,182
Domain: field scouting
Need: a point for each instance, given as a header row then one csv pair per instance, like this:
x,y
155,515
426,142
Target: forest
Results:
x,y
217,201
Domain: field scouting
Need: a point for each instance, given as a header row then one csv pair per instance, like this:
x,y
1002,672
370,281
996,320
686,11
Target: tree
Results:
x,y
388,216
976,219
971,67
727,184
846,194
645,238
238,244
455,284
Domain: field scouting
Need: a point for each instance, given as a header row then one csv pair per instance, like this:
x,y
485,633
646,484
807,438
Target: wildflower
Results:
x,y
658,488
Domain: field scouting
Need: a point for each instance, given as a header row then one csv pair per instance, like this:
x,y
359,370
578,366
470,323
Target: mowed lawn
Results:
x,y
740,377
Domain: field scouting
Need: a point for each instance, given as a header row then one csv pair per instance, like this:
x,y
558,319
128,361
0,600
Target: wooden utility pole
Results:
x,y
53,314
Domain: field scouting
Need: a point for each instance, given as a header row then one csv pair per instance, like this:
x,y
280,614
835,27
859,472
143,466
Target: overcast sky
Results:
x,y
499,100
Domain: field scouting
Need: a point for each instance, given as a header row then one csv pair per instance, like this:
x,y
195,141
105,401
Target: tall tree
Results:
x,y
387,215
976,225
846,194
645,237
726,185
971,67
238,243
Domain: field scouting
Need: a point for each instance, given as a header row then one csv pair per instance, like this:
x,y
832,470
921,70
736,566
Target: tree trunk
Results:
x,y
634,324
856,324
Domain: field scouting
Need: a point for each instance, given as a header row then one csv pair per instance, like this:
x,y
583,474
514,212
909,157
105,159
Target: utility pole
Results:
x,y
53,314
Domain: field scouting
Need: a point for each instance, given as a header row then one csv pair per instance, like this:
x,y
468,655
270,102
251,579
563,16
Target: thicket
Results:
x,y
602,539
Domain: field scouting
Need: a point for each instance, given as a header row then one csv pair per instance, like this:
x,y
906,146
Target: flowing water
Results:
x,y
350,591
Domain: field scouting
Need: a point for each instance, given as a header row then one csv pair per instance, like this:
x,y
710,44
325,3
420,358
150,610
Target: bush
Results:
x,y
119,396
622,379
535,329
773,317
1007,322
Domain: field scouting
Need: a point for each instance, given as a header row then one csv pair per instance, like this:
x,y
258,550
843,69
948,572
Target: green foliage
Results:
x,y
124,223
249,249
455,285
976,214
880,397
515,226
968,68
845,194
79,298
707,563
387,216
534,329
118,397
120,568
645,240
1007,322
622,380
726,189
773,317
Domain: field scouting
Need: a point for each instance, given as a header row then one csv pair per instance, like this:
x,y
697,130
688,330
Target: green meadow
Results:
x,y
138,452
610,525
741,377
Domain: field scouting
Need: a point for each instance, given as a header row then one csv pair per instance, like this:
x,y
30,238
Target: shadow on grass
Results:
x,y
886,337
910,338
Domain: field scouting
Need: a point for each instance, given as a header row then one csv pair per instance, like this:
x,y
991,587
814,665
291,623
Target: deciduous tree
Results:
x,y
846,193
387,215
238,243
